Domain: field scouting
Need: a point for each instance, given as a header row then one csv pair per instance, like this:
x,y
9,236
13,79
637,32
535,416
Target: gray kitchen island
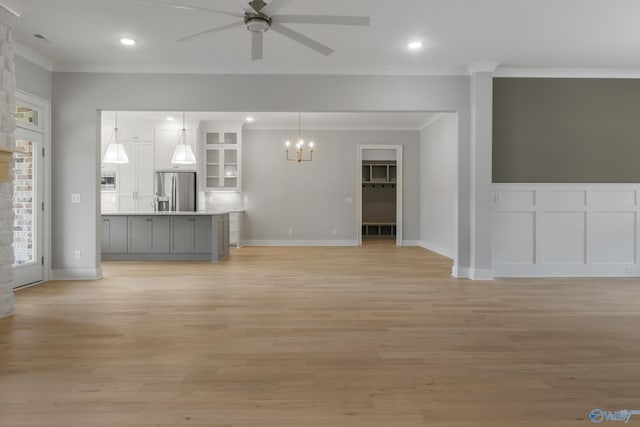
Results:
x,y
165,236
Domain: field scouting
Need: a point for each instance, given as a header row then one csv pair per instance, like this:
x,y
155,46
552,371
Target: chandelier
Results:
x,y
300,148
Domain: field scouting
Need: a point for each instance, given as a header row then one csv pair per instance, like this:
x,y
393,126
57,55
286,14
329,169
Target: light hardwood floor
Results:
x,y
374,336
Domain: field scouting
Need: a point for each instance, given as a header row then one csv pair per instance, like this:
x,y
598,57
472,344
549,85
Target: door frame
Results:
x,y
399,189
43,106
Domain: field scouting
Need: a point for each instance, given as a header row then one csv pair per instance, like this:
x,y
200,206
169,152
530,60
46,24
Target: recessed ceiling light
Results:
x,y
128,42
249,119
171,118
415,45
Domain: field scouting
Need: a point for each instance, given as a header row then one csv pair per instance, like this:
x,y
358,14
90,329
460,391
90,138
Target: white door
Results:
x,y
28,197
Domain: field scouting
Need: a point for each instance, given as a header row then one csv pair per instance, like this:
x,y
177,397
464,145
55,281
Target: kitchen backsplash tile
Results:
x,y
224,200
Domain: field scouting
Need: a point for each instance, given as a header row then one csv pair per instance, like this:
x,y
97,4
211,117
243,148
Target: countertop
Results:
x,y
196,213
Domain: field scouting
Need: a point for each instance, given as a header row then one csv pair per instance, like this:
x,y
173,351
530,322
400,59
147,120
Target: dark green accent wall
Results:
x,y
566,130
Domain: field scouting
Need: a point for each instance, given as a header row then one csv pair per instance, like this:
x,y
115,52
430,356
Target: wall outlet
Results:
x,y
631,270
291,231
348,199
75,198
334,231
76,255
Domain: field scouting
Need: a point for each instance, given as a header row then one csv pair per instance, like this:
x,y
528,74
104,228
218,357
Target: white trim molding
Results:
x,y
69,274
305,243
478,274
449,253
566,73
44,107
570,230
33,56
483,67
399,149
459,272
16,7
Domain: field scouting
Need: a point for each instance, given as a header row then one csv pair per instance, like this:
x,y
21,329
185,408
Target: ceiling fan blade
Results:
x,y
274,6
302,39
256,45
363,21
212,30
245,6
200,9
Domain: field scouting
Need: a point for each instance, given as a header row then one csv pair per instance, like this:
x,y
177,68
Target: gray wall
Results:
x,y
77,96
33,79
566,130
438,182
310,197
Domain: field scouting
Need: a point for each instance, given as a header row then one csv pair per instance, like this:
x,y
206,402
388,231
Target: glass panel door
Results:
x,y
27,205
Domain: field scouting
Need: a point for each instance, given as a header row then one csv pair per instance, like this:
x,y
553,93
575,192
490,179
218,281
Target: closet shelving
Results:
x,y
379,230
376,174
379,172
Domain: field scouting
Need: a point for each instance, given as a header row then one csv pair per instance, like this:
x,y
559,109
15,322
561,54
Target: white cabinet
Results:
x,y
166,141
135,179
222,155
235,229
136,133
109,201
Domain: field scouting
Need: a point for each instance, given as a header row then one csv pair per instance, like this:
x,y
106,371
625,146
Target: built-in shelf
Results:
x,y
379,230
379,172
222,160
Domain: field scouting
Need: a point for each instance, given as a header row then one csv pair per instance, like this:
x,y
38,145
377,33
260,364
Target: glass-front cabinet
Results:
x,y
222,160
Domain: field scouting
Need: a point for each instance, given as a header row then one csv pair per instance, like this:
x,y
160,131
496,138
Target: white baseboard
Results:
x,y
410,243
460,272
299,243
76,274
567,270
437,249
472,273
481,274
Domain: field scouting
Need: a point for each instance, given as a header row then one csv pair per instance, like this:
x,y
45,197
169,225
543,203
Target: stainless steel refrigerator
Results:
x,y
175,191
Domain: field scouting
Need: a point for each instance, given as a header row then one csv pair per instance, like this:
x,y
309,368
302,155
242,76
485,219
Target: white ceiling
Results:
x,y
334,121
84,36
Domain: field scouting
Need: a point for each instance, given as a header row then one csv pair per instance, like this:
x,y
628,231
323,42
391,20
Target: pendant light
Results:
x,y
183,154
115,150
299,156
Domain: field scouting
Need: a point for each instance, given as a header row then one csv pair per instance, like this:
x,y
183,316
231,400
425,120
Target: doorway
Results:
x,y
379,193
31,190
28,198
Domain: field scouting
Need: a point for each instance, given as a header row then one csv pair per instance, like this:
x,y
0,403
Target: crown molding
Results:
x,y
432,120
575,73
483,67
254,69
33,56
15,7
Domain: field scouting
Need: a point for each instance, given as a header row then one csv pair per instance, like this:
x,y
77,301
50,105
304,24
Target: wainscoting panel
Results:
x,y
513,237
562,238
546,230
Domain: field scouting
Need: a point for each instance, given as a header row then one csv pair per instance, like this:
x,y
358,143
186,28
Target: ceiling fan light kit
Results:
x,y
260,17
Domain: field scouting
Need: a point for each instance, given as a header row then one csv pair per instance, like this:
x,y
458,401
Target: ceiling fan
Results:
x,y
260,17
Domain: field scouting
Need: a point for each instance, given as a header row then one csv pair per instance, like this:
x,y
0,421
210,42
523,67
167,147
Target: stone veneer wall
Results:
x,y
7,142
